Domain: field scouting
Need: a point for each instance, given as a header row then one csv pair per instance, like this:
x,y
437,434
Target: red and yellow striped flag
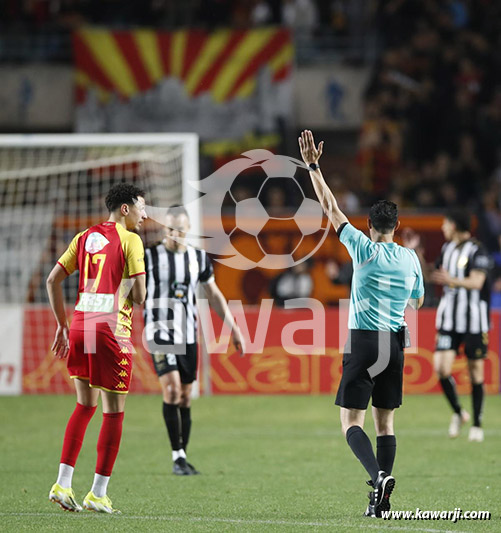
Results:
x,y
224,63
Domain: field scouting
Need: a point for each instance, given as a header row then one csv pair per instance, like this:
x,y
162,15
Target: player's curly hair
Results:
x,y
122,193
384,216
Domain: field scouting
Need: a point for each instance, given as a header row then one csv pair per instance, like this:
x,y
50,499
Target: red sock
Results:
x,y
75,432
108,443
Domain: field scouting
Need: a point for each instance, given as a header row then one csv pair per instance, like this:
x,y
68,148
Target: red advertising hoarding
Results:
x,y
312,369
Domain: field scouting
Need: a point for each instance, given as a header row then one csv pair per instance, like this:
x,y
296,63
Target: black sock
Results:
x,y
477,396
449,388
361,446
171,417
386,450
185,425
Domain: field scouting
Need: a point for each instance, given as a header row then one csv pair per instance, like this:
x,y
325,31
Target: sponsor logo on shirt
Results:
x,y
95,303
95,242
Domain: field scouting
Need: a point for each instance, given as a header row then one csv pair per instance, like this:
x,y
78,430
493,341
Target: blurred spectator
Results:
x,y
434,103
348,202
379,146
216,12
469,78
489,219
458,13
467,170
241,192
275,201
293,283
414,241
339,274
489,131
301,16
261,13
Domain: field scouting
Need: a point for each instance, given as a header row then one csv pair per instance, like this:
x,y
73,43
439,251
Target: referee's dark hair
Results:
x,y
122,193
384,216
177,210
461,219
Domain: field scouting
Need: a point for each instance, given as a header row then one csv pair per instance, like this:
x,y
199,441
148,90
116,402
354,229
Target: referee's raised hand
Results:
x,y
309,152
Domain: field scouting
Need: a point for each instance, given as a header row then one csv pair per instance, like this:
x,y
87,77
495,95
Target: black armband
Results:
x,y
340,229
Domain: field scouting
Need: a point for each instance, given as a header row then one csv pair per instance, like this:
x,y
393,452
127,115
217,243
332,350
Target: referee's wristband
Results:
x,y
313,167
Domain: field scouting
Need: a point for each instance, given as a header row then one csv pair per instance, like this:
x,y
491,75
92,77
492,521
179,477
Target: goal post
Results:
x,y
52,187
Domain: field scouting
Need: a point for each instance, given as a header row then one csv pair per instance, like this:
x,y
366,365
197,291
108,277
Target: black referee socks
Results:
x,y
386,451
361,446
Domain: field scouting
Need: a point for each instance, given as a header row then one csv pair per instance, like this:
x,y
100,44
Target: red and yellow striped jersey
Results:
x,y
107,256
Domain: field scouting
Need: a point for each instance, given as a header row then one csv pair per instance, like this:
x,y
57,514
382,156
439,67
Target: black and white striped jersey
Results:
x,y
462,310
170,312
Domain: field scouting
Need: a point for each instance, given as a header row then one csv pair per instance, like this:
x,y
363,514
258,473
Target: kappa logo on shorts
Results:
x,y
121,385
124,349
123,374
124,362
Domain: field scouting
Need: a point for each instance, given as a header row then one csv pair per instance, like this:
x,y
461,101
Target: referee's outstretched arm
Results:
x,y
311,156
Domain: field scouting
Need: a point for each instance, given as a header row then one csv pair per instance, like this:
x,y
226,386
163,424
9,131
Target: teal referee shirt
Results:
x,y
385,277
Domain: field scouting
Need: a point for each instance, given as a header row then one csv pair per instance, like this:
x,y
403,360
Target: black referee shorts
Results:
x,y
357,386
185,364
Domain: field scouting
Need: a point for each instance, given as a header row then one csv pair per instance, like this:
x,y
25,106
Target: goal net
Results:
x,y
52,187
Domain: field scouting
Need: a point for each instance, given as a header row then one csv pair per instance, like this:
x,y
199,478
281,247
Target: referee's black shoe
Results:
x,y
181,468
383,487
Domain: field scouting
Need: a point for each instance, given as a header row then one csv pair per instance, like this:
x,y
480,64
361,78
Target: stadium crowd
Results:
x,y
340,17
431,136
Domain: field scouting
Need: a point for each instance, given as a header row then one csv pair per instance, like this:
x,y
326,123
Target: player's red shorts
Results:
x,y
109,367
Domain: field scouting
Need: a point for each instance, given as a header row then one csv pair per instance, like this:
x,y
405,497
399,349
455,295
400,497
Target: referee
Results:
x,y
173,271
386,277
462,316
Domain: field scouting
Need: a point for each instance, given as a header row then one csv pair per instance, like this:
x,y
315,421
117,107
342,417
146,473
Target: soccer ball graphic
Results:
x,y
306,226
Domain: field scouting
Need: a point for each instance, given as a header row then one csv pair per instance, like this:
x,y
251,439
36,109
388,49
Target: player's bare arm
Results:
x,y
61,344
218,302
475,281
311,155
138,291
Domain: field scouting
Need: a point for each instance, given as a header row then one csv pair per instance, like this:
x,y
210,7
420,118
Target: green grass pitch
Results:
x,y
269,464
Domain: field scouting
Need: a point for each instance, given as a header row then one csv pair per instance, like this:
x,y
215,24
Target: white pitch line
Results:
x,y
242,521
